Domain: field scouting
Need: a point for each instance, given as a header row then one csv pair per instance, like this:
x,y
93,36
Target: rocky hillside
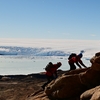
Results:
x,y
21,87
81,84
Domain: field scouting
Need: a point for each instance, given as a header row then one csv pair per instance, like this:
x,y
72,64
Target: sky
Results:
x,y
50,19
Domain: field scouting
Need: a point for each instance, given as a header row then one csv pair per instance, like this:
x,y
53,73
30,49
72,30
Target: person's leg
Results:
x,y
49,79
55,75
72,66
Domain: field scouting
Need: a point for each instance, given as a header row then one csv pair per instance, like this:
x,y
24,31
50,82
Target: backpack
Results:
x,y
49,65
71,55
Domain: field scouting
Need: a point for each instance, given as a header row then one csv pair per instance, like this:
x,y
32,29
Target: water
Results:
x,y
15,65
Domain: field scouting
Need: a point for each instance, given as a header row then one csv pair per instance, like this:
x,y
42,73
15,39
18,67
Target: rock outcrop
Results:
x,y
74,85
91,94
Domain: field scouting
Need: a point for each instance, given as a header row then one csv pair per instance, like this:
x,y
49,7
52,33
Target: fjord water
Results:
x,y
20,65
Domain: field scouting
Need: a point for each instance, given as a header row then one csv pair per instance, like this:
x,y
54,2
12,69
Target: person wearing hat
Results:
x,y
76,60
51,74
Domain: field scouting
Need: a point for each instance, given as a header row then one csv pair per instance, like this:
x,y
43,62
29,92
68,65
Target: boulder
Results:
x,y
91,94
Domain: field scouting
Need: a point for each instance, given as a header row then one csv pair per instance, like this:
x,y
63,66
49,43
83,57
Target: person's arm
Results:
x,y
80,61
78,64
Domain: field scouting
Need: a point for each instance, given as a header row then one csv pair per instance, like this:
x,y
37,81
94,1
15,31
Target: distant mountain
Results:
x,y
9,50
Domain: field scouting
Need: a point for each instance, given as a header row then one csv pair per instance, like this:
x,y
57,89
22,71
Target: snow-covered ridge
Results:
x,y
12,50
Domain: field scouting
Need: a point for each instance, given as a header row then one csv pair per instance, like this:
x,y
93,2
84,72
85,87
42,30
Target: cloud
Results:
x,y
93,35
66,34
49,31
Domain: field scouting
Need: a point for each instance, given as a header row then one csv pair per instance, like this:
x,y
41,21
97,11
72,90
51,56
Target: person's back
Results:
x,y
71,55
53,69
73,60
